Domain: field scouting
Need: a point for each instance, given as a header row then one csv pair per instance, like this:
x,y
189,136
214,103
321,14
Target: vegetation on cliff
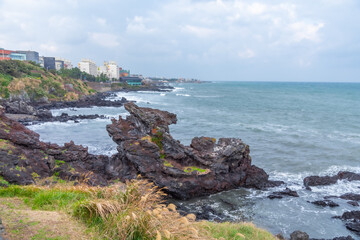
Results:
x,y
134,210
30,81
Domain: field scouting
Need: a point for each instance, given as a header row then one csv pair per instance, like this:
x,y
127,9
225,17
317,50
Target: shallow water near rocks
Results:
x,y
294,130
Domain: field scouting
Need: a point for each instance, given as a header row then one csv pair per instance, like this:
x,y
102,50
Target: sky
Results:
x,y
236,40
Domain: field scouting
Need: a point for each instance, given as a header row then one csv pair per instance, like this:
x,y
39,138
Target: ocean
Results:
x,y
293,129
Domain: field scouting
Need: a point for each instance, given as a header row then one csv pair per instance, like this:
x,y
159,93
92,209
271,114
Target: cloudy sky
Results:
x,y
245,40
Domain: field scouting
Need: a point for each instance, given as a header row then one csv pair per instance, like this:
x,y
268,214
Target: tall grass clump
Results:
x,y
131,211
135,211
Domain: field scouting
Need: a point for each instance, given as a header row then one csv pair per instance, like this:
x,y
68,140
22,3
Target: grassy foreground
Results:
x,y
122,211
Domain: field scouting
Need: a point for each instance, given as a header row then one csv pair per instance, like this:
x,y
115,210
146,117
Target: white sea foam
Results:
x,y
184,95
177,89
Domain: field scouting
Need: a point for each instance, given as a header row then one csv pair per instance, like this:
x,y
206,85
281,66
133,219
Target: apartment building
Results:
x,y
88,66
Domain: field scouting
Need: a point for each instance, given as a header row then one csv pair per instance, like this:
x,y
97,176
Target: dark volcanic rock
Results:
x,y
325,203
298,235
353,226
319,181
352,220
351,196
336,238
355,215
98,99
273,196
286,192
24,157
353,203
146,147
328,180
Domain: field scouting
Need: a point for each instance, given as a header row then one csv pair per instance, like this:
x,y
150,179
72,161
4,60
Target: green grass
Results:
x,y
44,198
3,181
19,76
131,212
167,164
43,234
192,169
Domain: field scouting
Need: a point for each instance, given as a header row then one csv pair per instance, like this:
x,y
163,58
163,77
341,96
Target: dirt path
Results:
x,y
22,223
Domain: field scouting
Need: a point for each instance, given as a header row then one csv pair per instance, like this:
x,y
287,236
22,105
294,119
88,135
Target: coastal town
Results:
x,y
109,71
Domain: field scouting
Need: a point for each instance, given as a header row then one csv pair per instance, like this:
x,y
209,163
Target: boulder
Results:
x,y
351,196
298,235
325,203
286,192
329,180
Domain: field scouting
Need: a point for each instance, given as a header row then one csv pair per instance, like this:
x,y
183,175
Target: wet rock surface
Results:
x,y
353,203
329,180
206,166
38,112
64,117
336,238
352,221
351,196
286,192
325,203
298,235
98,100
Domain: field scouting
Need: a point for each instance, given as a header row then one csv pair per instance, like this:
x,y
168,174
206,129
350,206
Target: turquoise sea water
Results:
x,y
293,129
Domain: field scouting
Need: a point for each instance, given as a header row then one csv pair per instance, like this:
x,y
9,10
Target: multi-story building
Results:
x,y
59,64
17,56
88,66
110,69
67,63
30,55
48,62
102,70
113,70
4,54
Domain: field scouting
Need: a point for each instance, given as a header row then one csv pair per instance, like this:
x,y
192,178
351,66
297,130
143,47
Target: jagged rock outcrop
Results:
x,y
145,147
23,158
207,166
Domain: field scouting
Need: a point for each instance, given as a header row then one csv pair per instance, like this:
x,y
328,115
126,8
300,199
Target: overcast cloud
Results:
x,y
277,40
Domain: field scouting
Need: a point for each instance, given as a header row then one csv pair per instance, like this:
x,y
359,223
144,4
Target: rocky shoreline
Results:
x,y
28,112
146,148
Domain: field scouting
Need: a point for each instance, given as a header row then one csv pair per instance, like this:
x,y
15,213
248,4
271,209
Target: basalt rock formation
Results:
x,y
23,158
145,147
207,166
329,180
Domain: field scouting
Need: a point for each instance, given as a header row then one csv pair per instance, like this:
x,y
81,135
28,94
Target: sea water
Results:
x,y
294,130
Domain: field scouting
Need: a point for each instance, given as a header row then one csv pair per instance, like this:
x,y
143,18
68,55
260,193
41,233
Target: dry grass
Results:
x,y
135,211
130,211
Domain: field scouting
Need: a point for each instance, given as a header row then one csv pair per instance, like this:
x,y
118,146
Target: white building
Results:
x,y
110,69
59,64
67,63
88,66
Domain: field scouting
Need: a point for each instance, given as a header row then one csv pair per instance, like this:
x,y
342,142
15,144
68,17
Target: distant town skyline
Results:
x,y
209,40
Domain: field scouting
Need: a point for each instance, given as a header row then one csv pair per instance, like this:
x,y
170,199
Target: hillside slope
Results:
x,y
29,81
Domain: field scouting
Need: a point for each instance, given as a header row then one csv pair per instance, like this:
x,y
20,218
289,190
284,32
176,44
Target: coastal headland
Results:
x,y
145,147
